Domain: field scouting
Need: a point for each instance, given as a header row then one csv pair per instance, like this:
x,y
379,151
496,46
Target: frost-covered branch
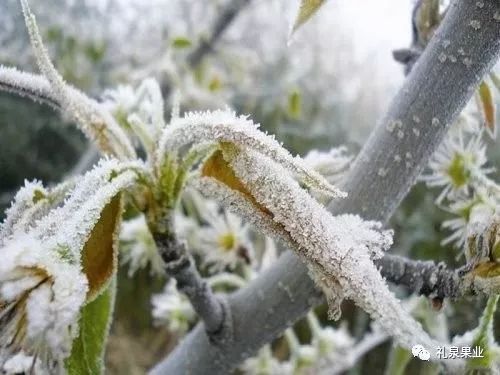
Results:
x,y
421,277
387,167
211,309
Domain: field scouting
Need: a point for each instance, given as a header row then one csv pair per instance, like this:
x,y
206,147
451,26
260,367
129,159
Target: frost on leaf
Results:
x,y
44,280
339,250
94,121
99,255
225,127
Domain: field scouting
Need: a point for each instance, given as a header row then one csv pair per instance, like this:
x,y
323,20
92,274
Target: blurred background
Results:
x,y
325,87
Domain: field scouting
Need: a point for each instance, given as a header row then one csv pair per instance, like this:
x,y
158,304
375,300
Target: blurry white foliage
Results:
x,y
138,248
224,242
172,309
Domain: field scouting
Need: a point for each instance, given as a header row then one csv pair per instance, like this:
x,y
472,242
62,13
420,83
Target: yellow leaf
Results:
x,y
487,107
306,10
99,255
218,168
427,20
487,270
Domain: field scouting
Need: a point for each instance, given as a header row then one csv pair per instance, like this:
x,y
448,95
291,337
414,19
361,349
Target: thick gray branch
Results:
x,y
388,165
211,309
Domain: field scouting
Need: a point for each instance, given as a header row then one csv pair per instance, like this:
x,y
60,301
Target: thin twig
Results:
x,y
222,22
211,309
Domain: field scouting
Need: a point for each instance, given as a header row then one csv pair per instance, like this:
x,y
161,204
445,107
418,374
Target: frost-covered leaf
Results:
x,y
43,286
94,121
87,354
225,127
219,169
306,10
488,107
99,255
32,86
338,250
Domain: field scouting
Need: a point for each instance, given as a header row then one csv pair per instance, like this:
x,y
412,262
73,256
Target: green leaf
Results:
x,y
87,353
484,337
100,253
306,10
294,104
181,42
398,361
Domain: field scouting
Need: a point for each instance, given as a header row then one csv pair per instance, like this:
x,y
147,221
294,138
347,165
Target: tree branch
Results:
x,y
222,22
388,165
211,309
423,277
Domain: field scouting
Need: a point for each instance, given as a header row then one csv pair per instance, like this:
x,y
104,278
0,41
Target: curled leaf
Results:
x,y
99,255
219,169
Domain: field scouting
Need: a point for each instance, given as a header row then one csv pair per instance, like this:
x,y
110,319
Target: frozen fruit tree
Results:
x,y
207,200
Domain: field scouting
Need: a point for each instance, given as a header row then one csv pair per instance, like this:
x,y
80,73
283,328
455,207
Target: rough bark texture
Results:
x,y
388,165
212,310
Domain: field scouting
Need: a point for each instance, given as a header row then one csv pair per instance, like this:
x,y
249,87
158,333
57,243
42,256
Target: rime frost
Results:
x,y
338,249
42,285
97,123
225,126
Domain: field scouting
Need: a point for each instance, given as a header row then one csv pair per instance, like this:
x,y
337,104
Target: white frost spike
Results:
x,y
95,122
339,248
225,126
83,206
25,199
32,86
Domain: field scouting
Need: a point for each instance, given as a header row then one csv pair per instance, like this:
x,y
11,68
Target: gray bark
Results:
x,y
212,310
430,99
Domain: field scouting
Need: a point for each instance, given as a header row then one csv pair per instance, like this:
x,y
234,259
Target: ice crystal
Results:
x,y
331,164
225,126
